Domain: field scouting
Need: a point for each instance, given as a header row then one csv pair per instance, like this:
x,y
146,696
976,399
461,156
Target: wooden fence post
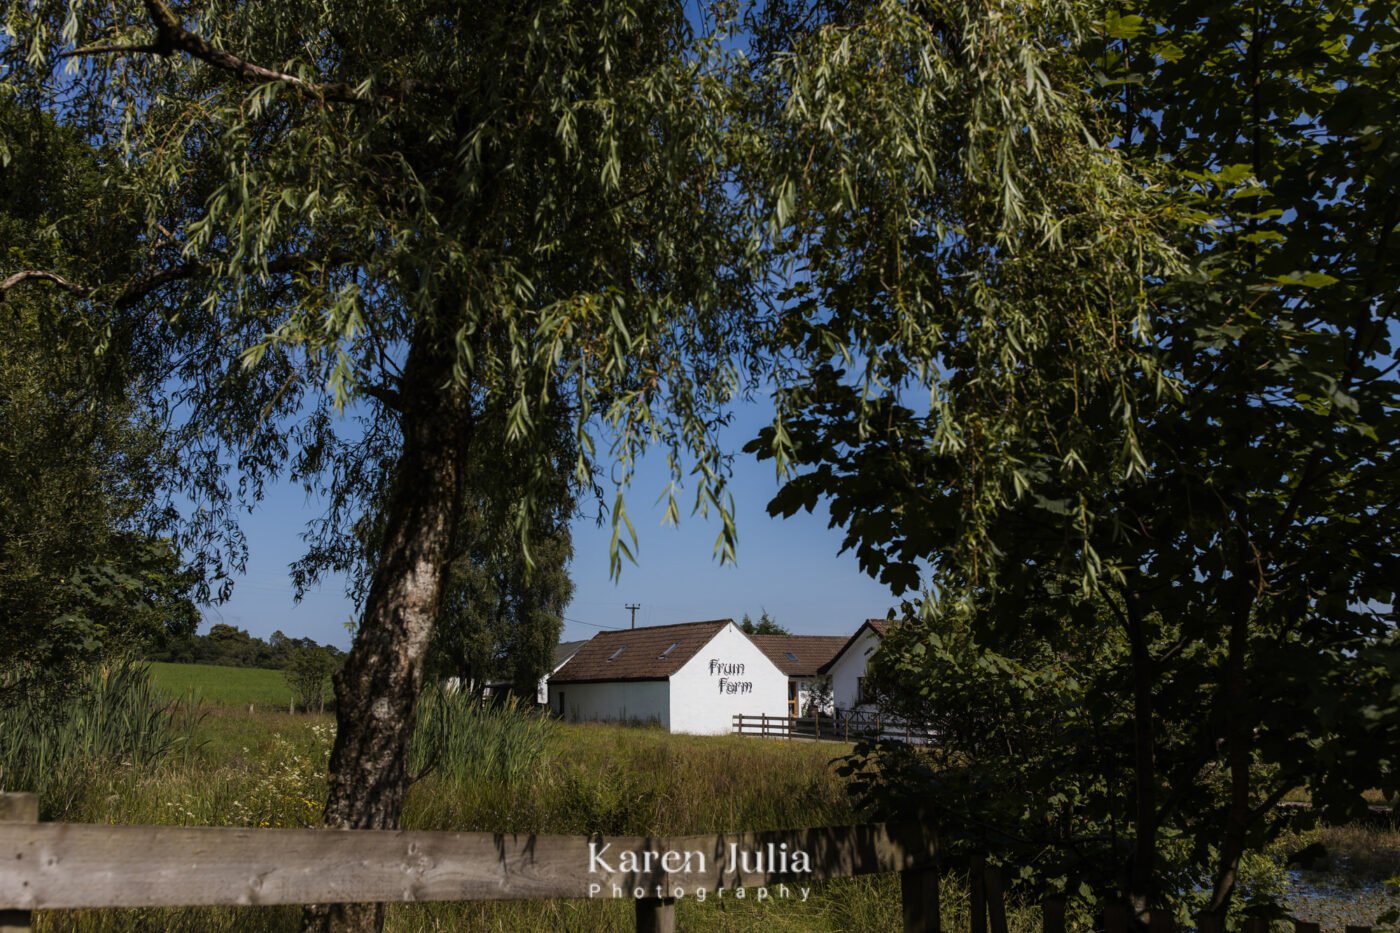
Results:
x,y
918,890
17,808
977,882
1163,922
1115,919
996,899
1054,910
656,915
1212,923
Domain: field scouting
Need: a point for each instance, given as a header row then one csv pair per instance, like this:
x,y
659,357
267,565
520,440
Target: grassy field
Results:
x,y
526,775
223,686
268,770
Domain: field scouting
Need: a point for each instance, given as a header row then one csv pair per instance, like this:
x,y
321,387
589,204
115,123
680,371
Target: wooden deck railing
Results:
x,y
844,726
60,866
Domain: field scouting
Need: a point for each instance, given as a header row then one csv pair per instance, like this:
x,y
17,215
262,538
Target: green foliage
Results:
x,y
231,646
308,674
764,626
86,570
1192,530
502,608
111,717
961,255
466,741
536,202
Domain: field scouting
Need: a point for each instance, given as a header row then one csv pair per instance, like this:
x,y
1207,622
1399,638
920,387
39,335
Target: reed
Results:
x,y
112,717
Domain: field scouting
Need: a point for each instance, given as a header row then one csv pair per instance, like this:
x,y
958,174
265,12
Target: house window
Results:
x,y
614,656
791,657
674,646
862,692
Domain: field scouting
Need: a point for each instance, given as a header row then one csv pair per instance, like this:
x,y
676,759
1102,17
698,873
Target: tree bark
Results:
x,y
378,687
1238,755
1141,877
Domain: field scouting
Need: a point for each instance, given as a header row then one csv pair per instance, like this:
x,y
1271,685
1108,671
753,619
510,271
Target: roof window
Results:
x,y
614,656
790,656
674,646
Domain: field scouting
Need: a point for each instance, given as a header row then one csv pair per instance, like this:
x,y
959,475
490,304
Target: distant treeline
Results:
x,y
234,647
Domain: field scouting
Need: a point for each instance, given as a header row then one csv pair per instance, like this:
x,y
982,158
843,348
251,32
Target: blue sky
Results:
x,y
788,567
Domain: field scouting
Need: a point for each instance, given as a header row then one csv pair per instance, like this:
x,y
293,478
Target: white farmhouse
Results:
x,y
847,669
801,657
693,678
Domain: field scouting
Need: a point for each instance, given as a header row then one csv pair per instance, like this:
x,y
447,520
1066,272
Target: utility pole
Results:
x,y
634,607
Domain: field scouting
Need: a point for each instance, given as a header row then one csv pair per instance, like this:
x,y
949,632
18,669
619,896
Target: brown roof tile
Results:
x,y
799,655
652,653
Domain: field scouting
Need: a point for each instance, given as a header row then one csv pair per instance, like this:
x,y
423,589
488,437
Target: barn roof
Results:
x,y
879,626
651,653
799,655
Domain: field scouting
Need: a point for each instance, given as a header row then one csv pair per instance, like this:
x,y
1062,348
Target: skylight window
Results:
x,y
790,656
674,646
614,656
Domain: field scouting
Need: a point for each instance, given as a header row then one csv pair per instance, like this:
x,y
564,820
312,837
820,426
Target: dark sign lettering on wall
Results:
x,y
726,671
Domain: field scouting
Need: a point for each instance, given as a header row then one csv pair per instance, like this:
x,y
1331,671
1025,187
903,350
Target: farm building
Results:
x,y
801,658
492,689
847,669
694,677
562,653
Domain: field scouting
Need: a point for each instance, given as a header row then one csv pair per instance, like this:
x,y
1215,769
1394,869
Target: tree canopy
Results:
x,y
1220,500
87,569
415,214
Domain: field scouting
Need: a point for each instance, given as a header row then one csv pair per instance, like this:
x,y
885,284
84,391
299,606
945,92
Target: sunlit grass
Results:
x,y
214,684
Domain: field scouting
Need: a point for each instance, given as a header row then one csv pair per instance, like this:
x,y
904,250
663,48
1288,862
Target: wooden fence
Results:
x,y
844,726
59,866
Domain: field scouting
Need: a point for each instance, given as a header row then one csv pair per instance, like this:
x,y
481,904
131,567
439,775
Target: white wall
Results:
x,y
617,701
728,676
851,664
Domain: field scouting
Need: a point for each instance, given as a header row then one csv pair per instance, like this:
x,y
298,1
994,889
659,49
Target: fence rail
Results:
x,y
56,866
844,726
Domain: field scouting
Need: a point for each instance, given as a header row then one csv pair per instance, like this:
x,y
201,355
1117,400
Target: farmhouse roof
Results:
x,y
880,627
799,655
651,653
565,650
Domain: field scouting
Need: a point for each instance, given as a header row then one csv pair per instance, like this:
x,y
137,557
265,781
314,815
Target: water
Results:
x,y
1335,900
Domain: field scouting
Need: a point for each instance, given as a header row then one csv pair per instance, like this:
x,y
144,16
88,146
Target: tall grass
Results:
x,y
465,742
112,717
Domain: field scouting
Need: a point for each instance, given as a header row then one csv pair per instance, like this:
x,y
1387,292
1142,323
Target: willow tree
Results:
x,y
413,213
1186,550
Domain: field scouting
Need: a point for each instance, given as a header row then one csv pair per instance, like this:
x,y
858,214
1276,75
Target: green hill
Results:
x,y
229,686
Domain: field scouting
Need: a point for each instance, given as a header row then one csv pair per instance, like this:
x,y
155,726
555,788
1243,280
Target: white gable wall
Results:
x,y
845,690
542,692
613,701
726,677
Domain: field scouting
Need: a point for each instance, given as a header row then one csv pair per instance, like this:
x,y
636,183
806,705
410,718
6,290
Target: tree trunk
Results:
x,y
1141,877
1237,745
378,687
